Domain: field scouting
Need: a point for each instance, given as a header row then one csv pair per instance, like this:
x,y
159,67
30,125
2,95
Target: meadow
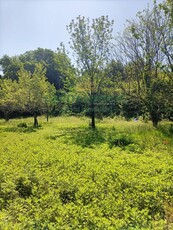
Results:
x,y
64,175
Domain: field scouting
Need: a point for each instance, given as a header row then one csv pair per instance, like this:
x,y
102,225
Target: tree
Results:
x,y
8,97
65,67
166,9
37,94
10,66
142,46
48,58
91,44
57,65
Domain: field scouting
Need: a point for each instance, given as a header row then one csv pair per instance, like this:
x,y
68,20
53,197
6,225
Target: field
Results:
x,y
64,175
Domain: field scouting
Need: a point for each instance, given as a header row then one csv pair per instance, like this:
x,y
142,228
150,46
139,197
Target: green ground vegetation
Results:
x,y
64,175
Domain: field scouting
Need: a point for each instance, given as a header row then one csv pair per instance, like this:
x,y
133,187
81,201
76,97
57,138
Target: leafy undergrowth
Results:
x,y
64,175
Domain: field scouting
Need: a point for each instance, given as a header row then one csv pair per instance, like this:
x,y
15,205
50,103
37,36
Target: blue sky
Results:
x,y
28,24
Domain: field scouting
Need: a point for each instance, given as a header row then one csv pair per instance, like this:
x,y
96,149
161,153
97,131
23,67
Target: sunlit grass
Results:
x,y
64,175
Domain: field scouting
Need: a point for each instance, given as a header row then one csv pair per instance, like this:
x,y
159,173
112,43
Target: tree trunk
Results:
x,y
92,99
35,121
92,116
93,119
47,117
6,117
155,119
155,123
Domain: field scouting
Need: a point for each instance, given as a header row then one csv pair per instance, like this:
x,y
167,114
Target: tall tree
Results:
x,y
57,64
37,94
48,58
142,50
166,9
91,43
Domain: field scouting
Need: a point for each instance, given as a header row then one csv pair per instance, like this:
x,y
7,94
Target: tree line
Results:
x,y
130,74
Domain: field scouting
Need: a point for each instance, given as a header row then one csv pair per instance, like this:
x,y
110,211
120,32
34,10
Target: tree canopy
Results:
x,y
32,93
130,74
57,65
144,48
91,43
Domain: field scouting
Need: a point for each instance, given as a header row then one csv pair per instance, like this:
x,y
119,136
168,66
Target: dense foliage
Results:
x,y
32,93
57,65
145,48
130,74
63,175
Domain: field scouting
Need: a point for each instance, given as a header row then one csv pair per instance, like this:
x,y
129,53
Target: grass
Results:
x,y
63,175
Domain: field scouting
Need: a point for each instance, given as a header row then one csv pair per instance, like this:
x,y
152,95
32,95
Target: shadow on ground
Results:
x,y
84,137
88,137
